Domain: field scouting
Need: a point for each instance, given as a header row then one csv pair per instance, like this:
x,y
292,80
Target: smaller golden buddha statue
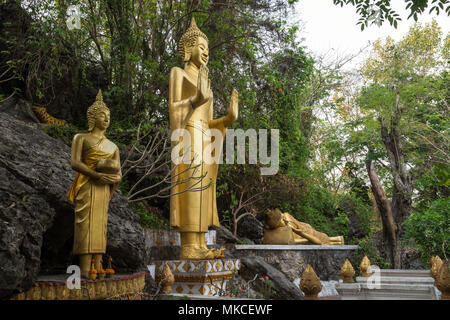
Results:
x,y
97,162
282,228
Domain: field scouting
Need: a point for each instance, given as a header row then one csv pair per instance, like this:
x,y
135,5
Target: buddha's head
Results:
x,y
274,219
98,114
193,46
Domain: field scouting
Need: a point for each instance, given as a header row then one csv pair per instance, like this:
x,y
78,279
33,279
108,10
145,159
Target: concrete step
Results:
x,y
389,291
386,291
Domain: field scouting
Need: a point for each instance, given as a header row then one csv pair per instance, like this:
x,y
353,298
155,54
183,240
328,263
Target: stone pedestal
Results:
x,y
165,244
199,277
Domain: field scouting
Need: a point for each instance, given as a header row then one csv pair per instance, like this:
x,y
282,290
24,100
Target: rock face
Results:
x,y
411,258
251,228
19,109
224,236
36,218
292,260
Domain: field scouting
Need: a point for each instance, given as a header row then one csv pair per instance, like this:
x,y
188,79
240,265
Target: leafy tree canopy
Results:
x,y
378,11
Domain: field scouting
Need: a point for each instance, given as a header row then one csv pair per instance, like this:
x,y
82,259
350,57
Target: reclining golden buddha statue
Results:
x,y
282,228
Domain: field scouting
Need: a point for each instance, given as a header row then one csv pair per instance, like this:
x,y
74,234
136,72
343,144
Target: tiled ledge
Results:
x,y
54,288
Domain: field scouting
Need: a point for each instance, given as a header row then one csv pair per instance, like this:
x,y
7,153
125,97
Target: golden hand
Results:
x,y
107,178
233,109
203,88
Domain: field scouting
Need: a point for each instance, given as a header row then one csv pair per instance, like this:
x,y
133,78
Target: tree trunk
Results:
x,y
403,183
389,240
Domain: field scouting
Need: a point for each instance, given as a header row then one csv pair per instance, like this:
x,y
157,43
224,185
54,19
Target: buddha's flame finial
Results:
x,y
193,24
99,96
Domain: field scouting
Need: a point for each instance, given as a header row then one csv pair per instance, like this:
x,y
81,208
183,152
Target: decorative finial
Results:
x,y
364,266
348,272
310,284
436,264
442,281
167,279
431,261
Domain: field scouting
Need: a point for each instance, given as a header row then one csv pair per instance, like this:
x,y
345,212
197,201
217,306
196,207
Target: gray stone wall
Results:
x,y
293,259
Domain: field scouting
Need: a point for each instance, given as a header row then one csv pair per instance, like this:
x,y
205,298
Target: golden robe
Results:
x,y
193,211
91,205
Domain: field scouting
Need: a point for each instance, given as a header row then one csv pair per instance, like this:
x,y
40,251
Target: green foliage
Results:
x,y
430,229
329,213
367,247
149,219
64,133
124,186
377,12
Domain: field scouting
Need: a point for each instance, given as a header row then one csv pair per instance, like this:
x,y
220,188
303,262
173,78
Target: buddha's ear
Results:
x,y
187,53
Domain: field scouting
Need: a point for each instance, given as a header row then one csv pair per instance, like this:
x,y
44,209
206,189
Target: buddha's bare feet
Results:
x,y
194,252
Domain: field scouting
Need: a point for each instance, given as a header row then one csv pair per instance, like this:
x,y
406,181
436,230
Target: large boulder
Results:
x,y
36,218
19,109
283,288
251,228
224,236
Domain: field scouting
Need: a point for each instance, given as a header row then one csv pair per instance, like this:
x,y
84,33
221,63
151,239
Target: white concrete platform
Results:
x,y
293,247
405,273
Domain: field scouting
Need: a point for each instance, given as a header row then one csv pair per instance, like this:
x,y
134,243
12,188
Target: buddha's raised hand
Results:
x,y
233,109
203,87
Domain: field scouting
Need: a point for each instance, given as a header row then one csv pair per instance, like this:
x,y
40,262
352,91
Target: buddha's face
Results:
x,y
102,119
200,52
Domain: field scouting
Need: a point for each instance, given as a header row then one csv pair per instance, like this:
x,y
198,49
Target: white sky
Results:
x,y
332,30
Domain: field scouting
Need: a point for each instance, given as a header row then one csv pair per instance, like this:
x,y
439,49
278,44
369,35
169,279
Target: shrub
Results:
x,y
367,247
148,219
64,133
430,229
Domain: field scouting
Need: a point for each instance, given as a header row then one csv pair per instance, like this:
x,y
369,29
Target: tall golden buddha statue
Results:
x,y
191,109
97,162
